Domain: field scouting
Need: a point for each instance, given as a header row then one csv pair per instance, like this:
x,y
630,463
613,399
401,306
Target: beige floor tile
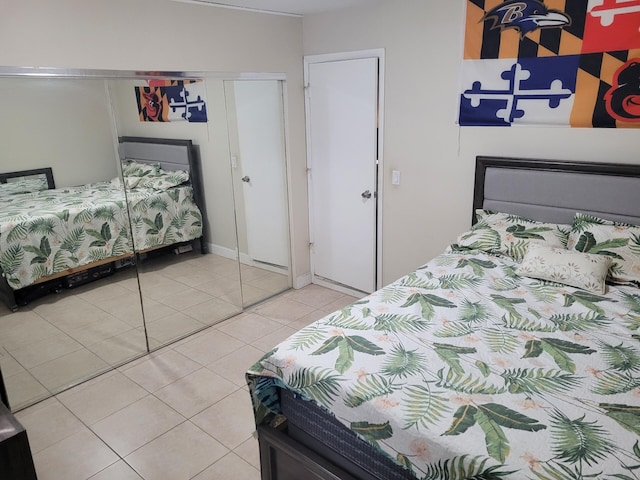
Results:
x,y
23,389
283,310
212,311
272,282
117,471
99,330
77,457
195,392
160,370
33,354
308,319
120,348
234,366
154,310
228,269
103,397
9,365
172,327
248,272
249,327
208,347
157,286
267,342
179,454
315,296
137,424
183,300
29,329
100,290
68,370
212,284
47,423
230,421
125,307
252,295
250,452
229,467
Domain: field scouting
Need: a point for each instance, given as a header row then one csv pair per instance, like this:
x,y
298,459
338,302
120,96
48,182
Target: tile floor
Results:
x,y
61,339
182,412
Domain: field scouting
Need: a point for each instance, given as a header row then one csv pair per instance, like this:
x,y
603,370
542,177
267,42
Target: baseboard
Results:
x,y
223,251
302,281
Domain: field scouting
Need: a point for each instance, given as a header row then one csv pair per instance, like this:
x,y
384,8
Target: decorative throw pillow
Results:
x,y
135,169
580,270
511,235
620,241
164,179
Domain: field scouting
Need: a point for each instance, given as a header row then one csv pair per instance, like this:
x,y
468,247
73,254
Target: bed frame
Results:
x,y
307,442
36,172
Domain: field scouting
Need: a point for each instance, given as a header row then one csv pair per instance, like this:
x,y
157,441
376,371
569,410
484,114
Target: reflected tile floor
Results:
x,y
182,412
62,339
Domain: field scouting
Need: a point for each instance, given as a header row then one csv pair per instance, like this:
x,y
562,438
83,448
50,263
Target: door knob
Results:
x,y
366,194
245,179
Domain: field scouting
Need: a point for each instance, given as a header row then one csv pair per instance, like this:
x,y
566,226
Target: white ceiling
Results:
x,y
295,7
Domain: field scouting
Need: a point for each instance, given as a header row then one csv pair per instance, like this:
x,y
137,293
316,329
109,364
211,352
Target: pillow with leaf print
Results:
x,y
136,169
511,235
164,179
620,241
581,270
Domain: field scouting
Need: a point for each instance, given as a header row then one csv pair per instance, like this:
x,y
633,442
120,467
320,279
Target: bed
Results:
x,y
50,238
514,354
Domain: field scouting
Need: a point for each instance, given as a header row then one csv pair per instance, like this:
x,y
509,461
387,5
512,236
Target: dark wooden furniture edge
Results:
x,y
16,461
282,458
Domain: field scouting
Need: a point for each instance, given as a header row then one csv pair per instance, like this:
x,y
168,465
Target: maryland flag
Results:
x,y
558,62
171,101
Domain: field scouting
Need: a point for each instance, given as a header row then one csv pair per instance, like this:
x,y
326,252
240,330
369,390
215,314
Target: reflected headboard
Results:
x,y
552,191
46,172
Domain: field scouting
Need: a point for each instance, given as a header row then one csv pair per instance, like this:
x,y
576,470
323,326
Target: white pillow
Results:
x,y
581,270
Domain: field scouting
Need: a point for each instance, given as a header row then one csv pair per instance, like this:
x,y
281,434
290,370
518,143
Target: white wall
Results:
x,y
161,35
64,124
423,47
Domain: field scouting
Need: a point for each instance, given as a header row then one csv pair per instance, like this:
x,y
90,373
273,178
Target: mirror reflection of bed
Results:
x,y
87,319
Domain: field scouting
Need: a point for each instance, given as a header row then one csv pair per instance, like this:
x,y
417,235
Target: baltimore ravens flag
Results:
x,y
557,62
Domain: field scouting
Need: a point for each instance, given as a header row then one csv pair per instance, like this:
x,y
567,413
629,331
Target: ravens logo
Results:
x,y
623,99
525,16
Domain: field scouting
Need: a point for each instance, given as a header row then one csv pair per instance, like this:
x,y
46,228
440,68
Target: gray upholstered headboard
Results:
x,y
552,191
170,154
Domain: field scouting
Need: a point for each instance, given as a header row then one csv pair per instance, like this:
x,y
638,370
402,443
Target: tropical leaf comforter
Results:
x,y
465,370
50,231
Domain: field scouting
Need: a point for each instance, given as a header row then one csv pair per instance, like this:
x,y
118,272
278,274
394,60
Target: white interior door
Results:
x,y
262,161
342,120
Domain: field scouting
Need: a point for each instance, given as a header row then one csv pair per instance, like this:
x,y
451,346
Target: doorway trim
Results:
x,y
333,57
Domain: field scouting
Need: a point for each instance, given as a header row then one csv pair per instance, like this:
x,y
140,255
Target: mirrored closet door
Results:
x,y
71,305
135,209
194,282
258,164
